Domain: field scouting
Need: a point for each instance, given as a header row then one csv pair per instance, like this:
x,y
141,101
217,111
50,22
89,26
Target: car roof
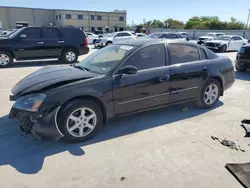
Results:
x,y
150,41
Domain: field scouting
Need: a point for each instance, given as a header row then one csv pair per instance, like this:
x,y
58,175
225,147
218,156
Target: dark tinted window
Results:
x,y
60,17
238,38
51,33
68,16
149,57
125,34
56,17
99,17
165,36
32,33
69,33
173,36
80,17
181,53
92,17
121,18
203,54
119,35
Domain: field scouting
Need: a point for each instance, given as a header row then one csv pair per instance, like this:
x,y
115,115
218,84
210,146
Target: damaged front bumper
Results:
x,y
42,125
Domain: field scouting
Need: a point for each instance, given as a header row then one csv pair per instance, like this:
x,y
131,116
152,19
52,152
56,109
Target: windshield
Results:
x,y
106,59
210,34
155,35
222,38
14,34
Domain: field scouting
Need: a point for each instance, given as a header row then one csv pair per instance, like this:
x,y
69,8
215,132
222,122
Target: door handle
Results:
x,y
40,43
60,41
204,69
164,78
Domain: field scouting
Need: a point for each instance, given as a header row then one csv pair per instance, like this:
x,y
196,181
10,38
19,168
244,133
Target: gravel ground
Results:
x,y
162,148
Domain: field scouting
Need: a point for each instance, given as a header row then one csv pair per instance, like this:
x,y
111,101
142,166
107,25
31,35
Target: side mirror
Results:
x,y
129,69
22,36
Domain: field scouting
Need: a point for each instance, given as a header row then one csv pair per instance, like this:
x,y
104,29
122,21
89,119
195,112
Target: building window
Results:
x,y
92,17
99,17
121,18
56,17
60,16
68,16
80,17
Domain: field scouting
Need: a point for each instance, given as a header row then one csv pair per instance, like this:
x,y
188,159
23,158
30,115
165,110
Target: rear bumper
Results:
x,y
83,50
41,125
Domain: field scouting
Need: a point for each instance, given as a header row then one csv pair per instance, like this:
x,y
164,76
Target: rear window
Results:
x,y
72,33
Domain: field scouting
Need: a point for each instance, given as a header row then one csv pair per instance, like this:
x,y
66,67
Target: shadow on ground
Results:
x,y
27,155
242,75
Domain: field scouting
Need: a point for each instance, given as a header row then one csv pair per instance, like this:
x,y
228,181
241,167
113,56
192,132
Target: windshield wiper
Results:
x,y
80,67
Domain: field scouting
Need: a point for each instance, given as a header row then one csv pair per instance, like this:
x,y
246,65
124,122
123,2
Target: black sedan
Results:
x,y
74,101
243,59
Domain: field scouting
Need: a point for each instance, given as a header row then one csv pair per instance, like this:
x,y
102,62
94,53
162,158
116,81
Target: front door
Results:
x,y
148,88
29,44
186,72
52,42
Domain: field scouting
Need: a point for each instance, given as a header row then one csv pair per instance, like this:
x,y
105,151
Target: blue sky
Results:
x,y
160,9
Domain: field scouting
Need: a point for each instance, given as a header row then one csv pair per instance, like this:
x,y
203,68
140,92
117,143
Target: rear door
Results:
x,y
30,46
149,87
52,41
187,71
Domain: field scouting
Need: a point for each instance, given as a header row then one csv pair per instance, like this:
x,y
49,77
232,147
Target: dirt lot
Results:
x,y
163,148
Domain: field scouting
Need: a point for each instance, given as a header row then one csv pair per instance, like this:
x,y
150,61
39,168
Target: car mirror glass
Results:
x,y
129,69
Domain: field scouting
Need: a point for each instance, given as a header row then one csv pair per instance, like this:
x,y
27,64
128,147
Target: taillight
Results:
x,y
86,42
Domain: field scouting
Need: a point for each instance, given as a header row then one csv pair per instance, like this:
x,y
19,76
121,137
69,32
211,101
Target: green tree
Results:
x,y
157,24
173,24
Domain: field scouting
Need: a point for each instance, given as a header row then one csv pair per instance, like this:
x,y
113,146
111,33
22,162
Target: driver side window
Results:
x,y
148,57
118,35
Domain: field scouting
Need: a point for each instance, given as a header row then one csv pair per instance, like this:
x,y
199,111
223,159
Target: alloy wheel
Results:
x,y
211,94
81,122
4,59
70,56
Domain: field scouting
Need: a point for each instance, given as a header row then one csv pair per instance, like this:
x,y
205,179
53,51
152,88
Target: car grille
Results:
x,y
212,44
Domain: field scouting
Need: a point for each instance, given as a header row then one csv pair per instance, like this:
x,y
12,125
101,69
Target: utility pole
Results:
x,y
248,18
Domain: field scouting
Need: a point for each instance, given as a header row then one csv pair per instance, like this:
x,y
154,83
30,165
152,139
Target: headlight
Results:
x,y
30,102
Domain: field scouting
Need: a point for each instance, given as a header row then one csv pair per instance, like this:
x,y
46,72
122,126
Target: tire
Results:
x,y
240,69
73,110
203,100
6,59
223,48
108,43
94,41
69,56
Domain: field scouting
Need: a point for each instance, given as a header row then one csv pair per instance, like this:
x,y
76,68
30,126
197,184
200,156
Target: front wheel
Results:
x,y
108,43
6,59
209,94
69,56
80,120
222,49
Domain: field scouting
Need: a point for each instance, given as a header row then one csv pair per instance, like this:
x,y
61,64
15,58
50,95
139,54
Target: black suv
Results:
x,y
242,62
63,42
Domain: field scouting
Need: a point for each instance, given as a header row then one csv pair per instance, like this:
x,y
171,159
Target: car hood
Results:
x,y
49,76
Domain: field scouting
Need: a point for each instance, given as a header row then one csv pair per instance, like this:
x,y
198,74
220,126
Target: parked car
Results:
x,y
127,77
40,42
91,37
226,43
141,35
242,62
208,36
184,35
100,33
115,37
167,35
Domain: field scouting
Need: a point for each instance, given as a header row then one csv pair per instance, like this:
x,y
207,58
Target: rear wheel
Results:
x,y
80,120
69,56
6,59
210,94
240,69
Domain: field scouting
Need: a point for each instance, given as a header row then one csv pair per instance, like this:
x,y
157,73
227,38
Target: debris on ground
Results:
x,y
123,178
229,144
246,125
241,172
